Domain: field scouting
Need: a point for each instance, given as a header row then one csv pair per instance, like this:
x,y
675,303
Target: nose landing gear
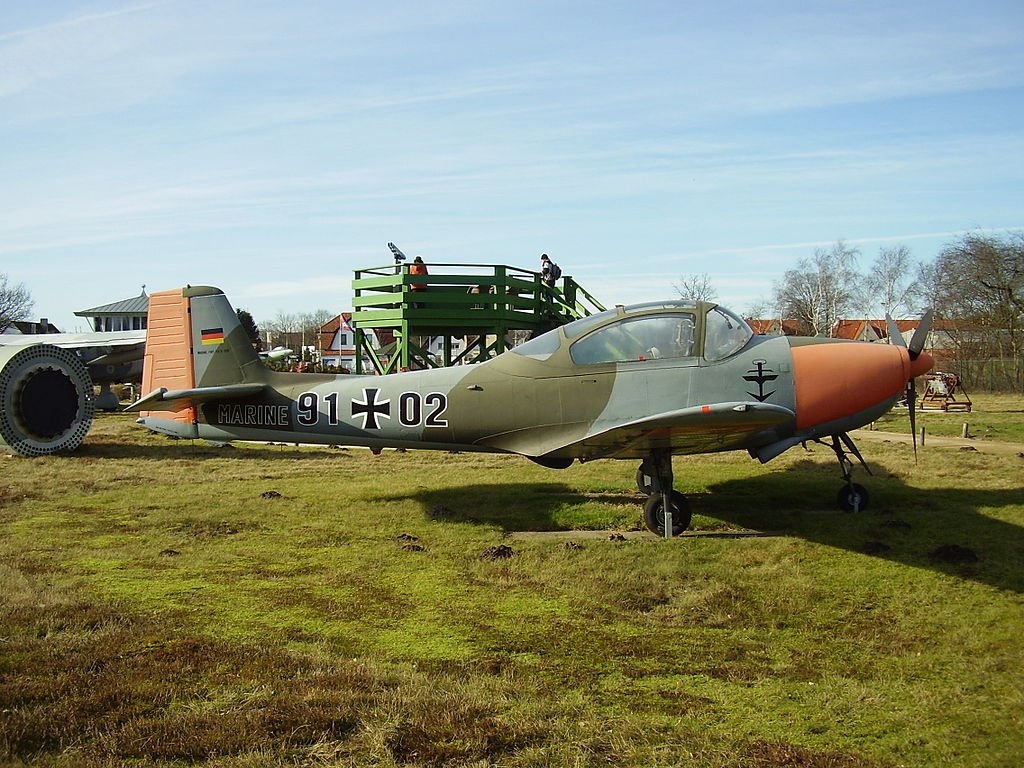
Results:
x,y
852,497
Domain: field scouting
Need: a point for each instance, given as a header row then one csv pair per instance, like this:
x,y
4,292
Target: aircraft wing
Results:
x,y
721,426
704,428
96,348
74,340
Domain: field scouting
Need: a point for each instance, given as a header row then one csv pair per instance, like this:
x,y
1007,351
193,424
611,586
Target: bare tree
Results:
x,y
761,309
297,329
696,287
977,284
889,281
822,289
283,324
764,309
15,302
312,322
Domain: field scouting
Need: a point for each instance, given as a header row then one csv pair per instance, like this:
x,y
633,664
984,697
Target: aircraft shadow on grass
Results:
x,y
935,528
940,529
513,507
191,449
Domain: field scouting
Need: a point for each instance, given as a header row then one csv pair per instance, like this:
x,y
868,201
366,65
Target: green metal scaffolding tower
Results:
x,y
480,303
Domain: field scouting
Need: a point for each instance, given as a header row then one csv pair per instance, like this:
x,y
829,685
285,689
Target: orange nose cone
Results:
x,y
922,365
838,380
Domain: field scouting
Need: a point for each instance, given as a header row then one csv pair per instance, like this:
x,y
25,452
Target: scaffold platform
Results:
x,y
483,305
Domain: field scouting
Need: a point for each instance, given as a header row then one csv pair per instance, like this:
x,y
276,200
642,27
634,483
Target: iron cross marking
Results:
x,y
761,375
370,409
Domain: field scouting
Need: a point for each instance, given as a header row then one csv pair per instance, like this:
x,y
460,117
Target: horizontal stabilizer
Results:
x,y
199,395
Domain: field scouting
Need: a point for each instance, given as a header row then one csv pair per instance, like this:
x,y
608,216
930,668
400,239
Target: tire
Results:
x,y
851,497
654,513
643,482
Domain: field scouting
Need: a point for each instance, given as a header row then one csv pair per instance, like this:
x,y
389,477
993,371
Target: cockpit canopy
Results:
x,y
643,337
650,331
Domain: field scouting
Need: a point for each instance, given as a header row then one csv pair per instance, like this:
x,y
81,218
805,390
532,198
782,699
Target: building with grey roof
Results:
x,y
124,315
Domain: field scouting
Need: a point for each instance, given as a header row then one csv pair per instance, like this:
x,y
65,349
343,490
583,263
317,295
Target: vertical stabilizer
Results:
x,y
222,352
194,340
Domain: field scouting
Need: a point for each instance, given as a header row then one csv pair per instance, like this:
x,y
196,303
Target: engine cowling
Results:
x,y
46,400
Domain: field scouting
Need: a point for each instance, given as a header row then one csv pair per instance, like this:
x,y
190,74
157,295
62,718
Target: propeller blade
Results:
x,y
920,335
895,337
911,407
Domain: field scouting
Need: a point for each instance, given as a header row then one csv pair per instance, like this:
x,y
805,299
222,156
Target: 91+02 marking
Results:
x,y
412,407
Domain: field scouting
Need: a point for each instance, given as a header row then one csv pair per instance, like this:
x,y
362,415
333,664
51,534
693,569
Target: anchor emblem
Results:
x,y
761,374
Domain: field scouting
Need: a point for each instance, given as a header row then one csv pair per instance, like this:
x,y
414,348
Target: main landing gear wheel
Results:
x,y
654,513
852,497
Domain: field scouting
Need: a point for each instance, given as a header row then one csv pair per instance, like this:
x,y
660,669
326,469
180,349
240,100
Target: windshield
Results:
x,y
540,347
726,334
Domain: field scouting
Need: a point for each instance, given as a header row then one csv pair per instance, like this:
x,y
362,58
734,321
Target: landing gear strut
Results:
x,y
666,511
852,497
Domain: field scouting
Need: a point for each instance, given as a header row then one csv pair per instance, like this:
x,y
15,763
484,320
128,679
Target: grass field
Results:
x,y
994,417
168,603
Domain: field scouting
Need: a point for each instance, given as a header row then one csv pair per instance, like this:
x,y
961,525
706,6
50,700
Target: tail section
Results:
x,y
194,345
222,353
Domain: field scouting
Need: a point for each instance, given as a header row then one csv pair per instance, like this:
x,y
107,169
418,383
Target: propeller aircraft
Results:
x,y
642,382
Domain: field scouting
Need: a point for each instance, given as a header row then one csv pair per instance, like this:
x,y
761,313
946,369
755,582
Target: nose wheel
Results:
x,y
666,511
852,497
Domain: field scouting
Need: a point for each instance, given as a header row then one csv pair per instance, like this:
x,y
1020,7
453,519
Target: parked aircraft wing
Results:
x,y
117,339
720,426
97,350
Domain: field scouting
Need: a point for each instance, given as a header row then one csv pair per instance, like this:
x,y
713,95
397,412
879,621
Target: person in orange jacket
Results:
x,y
418,268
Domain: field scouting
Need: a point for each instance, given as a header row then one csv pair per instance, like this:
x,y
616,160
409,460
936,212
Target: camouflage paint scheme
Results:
x,y
588,390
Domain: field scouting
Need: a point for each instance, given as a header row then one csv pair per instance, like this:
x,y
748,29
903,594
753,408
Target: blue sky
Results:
x,y
271,148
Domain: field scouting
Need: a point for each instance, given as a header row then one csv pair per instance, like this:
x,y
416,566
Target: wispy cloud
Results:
x,y
655,140
334,285
75,21
69,47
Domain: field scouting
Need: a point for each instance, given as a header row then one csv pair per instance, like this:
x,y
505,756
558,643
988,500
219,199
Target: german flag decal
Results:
x,y
213,336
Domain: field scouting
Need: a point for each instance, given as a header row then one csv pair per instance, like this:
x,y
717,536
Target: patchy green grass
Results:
x,y
164,603
993,417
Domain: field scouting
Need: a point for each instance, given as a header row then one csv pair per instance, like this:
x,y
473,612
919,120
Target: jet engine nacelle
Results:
x,y
46,400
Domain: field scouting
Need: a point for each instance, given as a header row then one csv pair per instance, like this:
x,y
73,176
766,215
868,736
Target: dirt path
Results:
x,y
933,441
628,535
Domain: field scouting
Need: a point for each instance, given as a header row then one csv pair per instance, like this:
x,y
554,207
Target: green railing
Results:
x,y
481,300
